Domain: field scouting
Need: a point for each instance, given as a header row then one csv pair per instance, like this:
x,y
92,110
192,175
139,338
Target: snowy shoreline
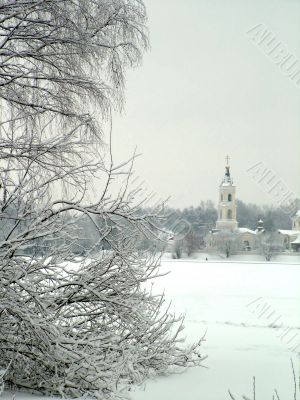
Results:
x,y
184,260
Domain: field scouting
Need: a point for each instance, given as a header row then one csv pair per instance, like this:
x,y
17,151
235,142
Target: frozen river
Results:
x,y
252,316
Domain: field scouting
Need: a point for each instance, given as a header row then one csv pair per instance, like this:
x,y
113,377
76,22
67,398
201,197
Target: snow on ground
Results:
x,y
239,343
225,298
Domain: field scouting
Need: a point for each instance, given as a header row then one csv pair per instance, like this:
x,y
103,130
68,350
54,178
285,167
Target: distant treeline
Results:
x,y
204,216
190,225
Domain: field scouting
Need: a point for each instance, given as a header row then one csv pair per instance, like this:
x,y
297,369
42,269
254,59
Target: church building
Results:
x,y
245,239
290,238
227,228
227,204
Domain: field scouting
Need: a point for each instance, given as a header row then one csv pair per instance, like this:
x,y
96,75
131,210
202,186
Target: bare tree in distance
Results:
x,y
227,242
177,250
269,244
72,326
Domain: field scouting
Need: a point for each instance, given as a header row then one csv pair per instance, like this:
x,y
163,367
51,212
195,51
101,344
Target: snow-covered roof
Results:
x,y
246,230
225,183
297,240
288,232
297,213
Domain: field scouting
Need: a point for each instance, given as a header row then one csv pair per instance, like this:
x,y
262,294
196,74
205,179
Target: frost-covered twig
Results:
x,y
2,374
275,390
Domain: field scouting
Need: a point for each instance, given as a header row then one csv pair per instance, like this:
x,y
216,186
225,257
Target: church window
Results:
x,y
229,214
229,197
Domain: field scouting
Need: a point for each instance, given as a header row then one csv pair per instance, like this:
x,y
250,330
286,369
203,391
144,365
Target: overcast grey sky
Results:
x,y
205,90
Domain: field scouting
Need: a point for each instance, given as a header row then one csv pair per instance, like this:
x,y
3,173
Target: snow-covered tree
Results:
x,y
227,242
73,326
268,244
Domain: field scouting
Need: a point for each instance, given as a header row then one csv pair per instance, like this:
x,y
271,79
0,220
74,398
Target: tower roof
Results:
x,y
227,180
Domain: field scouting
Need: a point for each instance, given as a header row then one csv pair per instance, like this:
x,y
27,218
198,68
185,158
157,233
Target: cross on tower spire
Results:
x,y
227,159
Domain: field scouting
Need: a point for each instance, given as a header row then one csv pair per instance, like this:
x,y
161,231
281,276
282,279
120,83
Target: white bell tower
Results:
x,y
227,206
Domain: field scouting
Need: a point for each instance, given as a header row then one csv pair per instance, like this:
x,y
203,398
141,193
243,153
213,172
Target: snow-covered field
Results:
x,y
227,300
216,297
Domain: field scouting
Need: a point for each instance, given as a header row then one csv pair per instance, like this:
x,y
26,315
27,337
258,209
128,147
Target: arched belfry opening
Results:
x,y
229,197
229,214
